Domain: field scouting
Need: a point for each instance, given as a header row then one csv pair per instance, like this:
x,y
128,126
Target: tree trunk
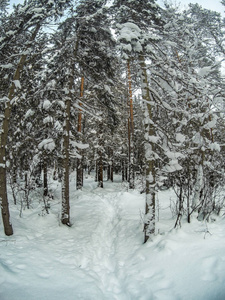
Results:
x,y
111,171
100,172
96,170
188,196
3,142
123,169
79,129
108,171
65,218
45,177
26,190
130,130
180,204
110,165
149,225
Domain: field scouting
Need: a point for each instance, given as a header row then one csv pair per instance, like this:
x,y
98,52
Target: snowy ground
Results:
x,y
102,255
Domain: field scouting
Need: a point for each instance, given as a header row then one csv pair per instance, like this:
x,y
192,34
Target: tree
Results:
x,y
79,130
193,72
96,59
22,20
135,20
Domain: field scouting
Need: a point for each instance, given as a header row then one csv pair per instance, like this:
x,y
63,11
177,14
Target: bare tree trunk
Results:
x,y
100,172
108,172
130,130
149,225
45,177
111,170
188,198
65,218
123,169
100,154
110,165
45,184
26,190
180,204
96,170
79,129
3,142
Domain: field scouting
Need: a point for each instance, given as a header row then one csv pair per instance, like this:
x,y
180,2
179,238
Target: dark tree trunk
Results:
x,y
80,172
100,172
130,130
96,171
45,177
111,172
123,169
65,218
4,203
108,171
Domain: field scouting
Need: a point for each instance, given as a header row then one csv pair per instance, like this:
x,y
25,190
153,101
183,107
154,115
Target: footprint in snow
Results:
x,y
209,266
43,275
21,267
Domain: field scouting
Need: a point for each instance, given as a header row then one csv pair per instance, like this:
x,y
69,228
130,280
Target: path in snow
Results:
x,y
105,248
102,256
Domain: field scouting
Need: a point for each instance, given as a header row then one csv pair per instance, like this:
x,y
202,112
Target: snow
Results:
x,y
17,84
10,32
214,146
152,138
47,144
130,32
79,145
205,71
174,155
102,256
47,120
46,104
180,137
7,66
173,166
4,99
29,113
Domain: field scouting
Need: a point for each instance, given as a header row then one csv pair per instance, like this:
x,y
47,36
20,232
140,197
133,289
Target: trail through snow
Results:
x,y
102,256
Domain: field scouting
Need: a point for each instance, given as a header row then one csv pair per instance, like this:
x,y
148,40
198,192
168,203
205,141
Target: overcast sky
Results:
x,y
209,4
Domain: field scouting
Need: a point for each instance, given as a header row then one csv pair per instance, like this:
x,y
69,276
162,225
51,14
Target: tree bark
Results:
x,y
65,217
130,130
149,224
79,182
100,172
45,177
111,171
123,169
66,162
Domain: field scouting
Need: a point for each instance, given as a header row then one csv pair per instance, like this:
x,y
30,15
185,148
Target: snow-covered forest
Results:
x,y
112,145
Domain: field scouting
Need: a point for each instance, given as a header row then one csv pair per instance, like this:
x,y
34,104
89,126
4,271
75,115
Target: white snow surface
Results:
x,y
102,256
47,144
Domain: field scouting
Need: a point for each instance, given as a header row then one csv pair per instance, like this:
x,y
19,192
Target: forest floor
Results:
x,y
102,256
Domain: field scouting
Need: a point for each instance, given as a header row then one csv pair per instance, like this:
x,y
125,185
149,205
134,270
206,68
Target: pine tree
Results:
x,y
194,71
135,20
25,19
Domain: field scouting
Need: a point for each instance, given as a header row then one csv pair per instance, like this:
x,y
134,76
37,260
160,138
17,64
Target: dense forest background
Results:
x,y
122,86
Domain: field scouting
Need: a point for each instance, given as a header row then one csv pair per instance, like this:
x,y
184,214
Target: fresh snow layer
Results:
x,y
102,256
